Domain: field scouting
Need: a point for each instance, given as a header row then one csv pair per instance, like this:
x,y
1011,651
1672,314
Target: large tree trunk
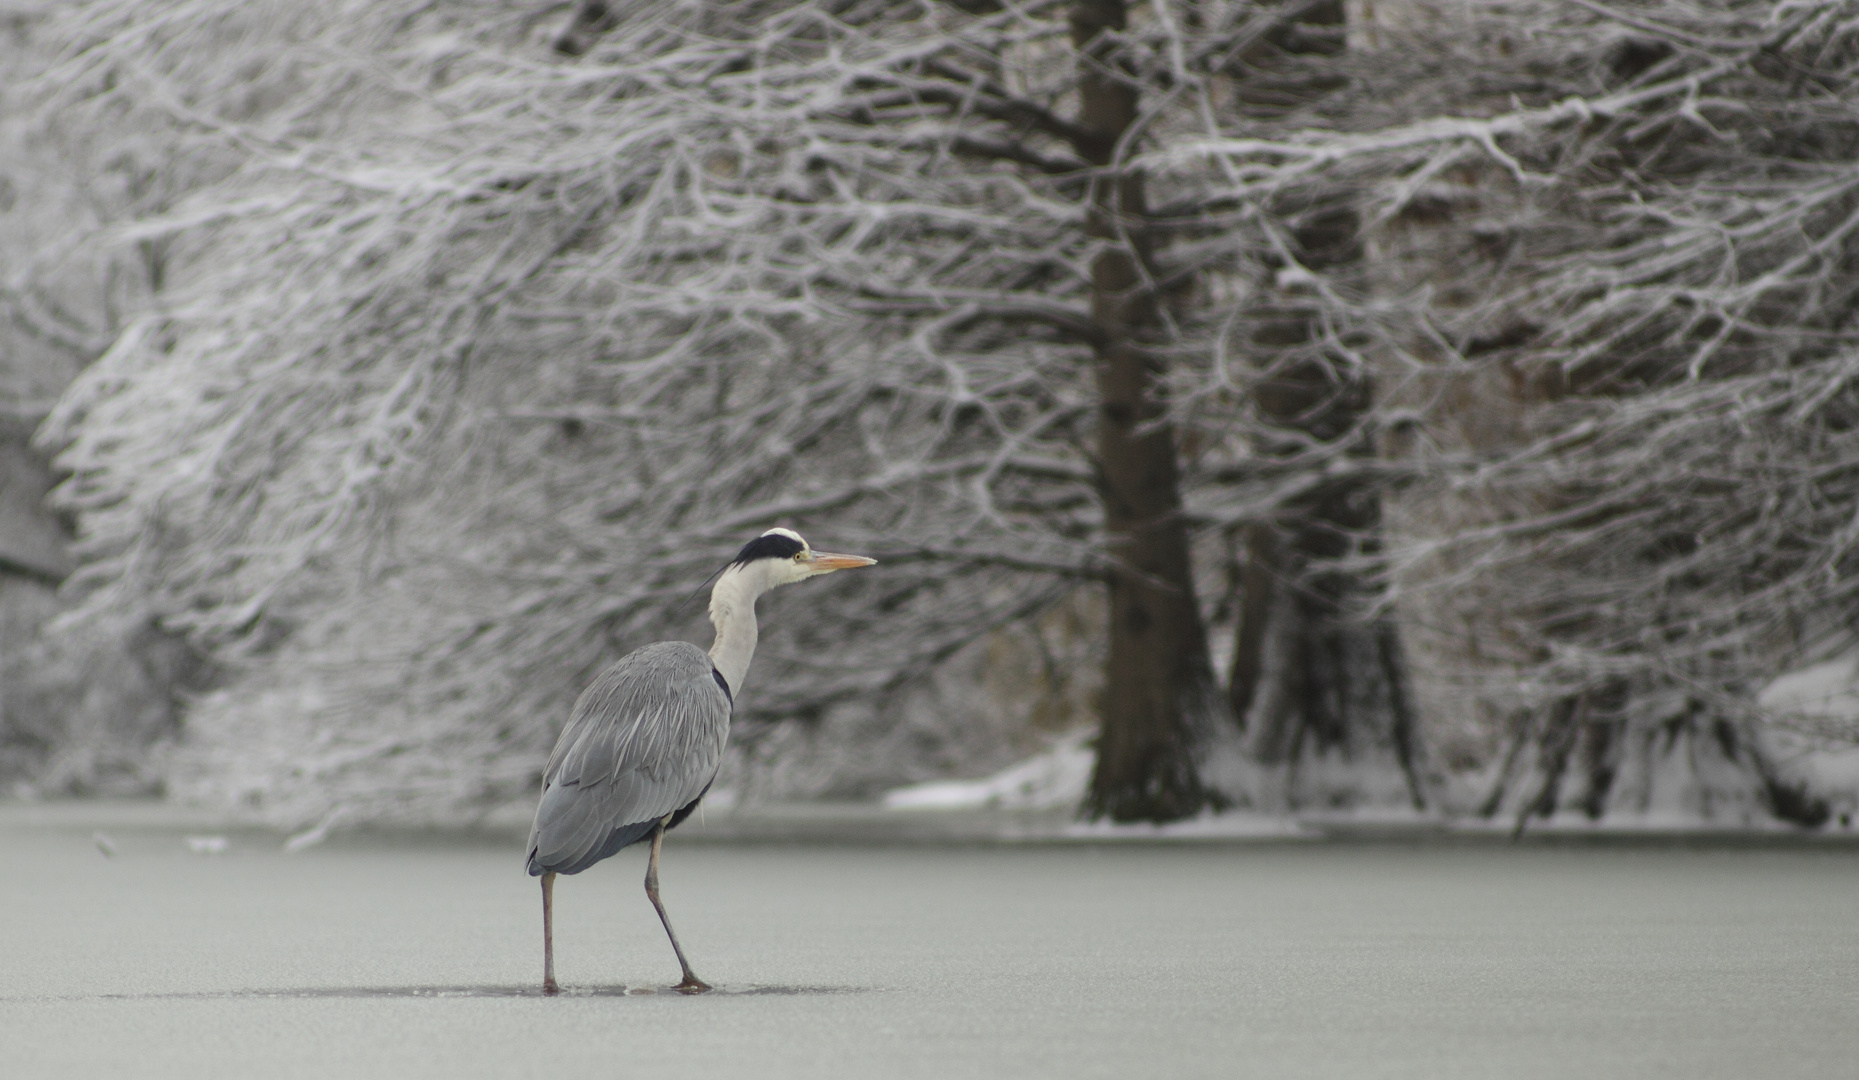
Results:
x,y
1319,687
1160,699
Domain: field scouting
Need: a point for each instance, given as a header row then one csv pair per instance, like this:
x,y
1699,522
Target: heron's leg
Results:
x,y
548,934
691,984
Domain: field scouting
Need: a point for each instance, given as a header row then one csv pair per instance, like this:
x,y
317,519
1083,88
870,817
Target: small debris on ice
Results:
x,y
104,844
313,836
208,845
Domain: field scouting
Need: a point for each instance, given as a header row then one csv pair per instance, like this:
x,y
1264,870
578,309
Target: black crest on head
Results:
x,y
772,546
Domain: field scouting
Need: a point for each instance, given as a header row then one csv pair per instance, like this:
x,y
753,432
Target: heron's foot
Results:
x,y
549,988
691,985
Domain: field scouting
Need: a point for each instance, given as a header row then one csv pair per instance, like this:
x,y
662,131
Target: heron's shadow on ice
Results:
x,y
506,991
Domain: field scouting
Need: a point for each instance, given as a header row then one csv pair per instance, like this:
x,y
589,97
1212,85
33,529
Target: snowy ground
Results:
x,y
411,956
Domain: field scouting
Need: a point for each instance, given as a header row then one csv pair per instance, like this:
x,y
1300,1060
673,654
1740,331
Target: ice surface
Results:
x,y
418,956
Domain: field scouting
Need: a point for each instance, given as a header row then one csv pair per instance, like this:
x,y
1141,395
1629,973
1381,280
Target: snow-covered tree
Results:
x,y
477,359
1479,373
1607,302
78,712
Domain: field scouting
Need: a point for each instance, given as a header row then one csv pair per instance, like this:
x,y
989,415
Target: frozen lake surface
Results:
x,y
406,956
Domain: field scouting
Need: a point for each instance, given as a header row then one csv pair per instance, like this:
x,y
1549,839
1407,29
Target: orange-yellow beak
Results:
x,y
825,562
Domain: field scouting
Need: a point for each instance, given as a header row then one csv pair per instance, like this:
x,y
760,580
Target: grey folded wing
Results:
x,y
645,740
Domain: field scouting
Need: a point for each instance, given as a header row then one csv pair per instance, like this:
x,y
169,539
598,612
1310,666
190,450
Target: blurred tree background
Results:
x,y
1330,406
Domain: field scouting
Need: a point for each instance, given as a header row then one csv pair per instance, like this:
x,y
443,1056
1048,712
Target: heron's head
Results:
x,y
782,557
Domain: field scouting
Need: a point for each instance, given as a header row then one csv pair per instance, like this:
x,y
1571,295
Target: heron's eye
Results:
x,y
800,556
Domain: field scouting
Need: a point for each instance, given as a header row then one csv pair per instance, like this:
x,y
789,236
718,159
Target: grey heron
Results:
x,y
646,737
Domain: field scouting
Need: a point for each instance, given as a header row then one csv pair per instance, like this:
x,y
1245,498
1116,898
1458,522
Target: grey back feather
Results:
x,y
645,739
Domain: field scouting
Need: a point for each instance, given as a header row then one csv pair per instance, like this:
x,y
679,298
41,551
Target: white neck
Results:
x,y
732,612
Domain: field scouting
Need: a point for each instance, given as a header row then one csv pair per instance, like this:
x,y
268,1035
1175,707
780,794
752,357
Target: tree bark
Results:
x,y
1320,690
1598,753
1313,681
1159,686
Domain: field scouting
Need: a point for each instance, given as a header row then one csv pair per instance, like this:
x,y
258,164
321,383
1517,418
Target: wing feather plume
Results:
x,y
645,739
